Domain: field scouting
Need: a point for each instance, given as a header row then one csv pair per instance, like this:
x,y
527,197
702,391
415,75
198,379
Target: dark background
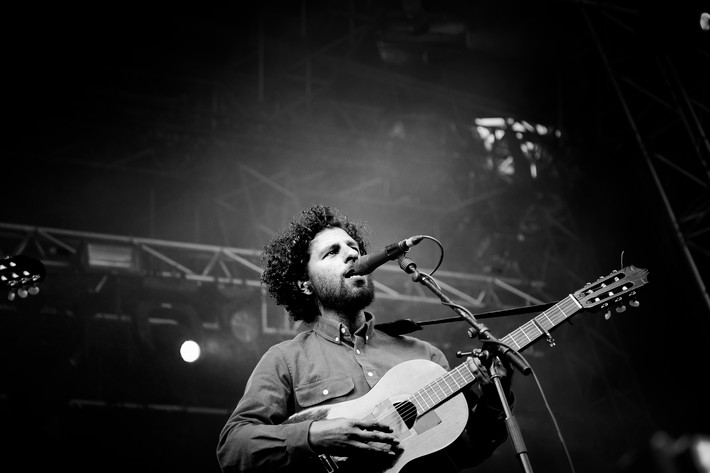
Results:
x,y
215,125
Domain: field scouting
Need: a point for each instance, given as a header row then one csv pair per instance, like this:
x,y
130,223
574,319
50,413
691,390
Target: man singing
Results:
x,y
339,356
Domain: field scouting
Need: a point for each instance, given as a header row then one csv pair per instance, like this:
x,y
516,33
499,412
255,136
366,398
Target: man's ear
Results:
x,y
305,287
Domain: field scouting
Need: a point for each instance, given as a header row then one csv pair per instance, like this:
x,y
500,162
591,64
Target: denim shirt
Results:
x,y
321,365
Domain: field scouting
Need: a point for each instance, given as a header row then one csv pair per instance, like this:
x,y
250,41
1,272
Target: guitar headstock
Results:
x,y
613,290
22,275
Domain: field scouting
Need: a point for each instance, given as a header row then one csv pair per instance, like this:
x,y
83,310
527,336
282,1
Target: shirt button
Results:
x,y
325,392
367,337
369,373
337,339
357,351
342,329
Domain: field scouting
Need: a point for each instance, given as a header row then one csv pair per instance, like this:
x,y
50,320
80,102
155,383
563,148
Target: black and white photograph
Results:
x,y
372,236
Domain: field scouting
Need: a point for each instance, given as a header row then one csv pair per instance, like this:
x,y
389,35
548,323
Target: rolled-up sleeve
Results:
x,y
255,437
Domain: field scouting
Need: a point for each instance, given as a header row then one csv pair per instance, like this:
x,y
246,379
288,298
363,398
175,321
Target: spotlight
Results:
x,y
190,351
172,331
101,256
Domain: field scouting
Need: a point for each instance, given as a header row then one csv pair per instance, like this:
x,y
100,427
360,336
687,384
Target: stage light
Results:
x,y
173,340
170,331
190,351
102,256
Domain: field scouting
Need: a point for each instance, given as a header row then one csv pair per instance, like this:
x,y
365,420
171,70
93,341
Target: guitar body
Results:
x,y
429,433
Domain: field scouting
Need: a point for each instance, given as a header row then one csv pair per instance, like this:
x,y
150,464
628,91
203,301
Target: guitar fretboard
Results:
x,y
542,324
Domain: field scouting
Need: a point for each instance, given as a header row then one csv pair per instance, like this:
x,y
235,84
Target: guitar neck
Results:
x,y
461,377
442,388
542,325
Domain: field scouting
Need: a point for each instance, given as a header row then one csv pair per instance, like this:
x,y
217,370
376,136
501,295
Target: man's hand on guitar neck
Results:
x,y
348,437
478,369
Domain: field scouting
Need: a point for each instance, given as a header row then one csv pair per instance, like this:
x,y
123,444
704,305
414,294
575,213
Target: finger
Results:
x,y
373,425
377,437
370,435
475,366
472,365
373,447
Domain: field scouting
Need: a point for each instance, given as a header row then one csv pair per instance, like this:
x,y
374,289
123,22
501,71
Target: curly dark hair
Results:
x,y
285,259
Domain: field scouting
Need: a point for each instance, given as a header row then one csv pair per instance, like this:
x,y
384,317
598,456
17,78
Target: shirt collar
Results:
x,y
333,330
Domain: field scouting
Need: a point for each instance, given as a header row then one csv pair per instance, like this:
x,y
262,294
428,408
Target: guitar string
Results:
x,y
410,410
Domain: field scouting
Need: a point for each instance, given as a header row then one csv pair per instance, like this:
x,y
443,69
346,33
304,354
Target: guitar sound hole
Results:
x,y
407,412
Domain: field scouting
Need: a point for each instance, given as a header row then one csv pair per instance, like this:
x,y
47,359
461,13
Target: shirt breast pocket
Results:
x,y
325,391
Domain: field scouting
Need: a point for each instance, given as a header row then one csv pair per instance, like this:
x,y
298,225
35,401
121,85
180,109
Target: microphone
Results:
x,y
368,263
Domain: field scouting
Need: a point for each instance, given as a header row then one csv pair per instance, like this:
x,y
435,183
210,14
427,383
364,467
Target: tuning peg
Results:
x,y
22,292
33,290
620,309
11,296
634,303
607,315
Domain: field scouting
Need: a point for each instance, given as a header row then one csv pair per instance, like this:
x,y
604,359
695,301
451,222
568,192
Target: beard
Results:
x,y
337,296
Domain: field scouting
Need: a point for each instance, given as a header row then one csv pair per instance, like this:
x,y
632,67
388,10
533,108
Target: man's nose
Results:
x,y
351,254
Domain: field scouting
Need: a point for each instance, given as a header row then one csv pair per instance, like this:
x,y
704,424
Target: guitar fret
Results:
x,y
445,388
508,340
545,323
525,333
531,331
538,332
522,336
560,306
526,328
458,373
416,400
465,373
560,315
422,405
434,391
445,379
547,316
426,391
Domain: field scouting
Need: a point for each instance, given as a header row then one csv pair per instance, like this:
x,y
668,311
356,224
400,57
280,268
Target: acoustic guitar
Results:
x,y
425,405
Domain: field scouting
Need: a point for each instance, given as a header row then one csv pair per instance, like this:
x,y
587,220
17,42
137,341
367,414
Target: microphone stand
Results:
x,y
496,347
